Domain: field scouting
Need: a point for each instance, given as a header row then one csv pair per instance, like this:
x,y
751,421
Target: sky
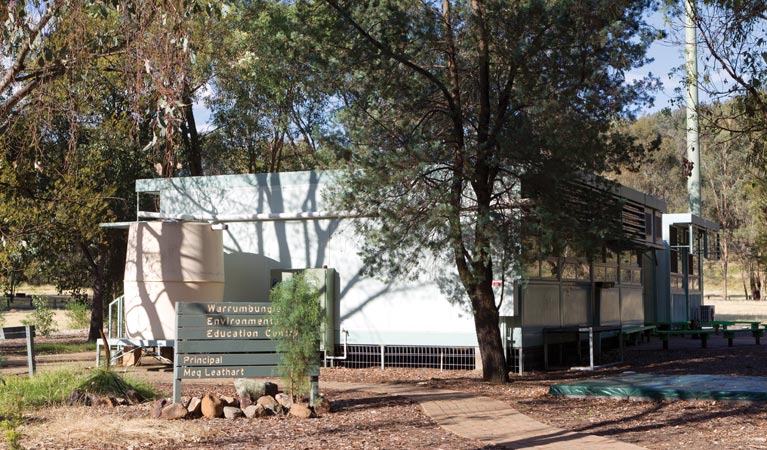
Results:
x,y
667,53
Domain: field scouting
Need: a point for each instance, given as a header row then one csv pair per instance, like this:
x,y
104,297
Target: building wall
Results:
x,y
371,310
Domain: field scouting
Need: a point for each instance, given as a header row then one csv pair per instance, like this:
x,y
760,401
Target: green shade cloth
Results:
x,y
673,387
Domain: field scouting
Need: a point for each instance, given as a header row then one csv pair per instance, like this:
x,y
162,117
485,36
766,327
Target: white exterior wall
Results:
x,y
373,311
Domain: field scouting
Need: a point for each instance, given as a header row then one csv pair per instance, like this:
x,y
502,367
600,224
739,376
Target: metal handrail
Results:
x,y
118,302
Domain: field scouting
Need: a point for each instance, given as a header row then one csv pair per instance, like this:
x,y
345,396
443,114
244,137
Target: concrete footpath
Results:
x,y
485,419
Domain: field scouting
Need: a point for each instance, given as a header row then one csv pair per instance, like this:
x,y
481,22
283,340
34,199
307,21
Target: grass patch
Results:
x,y
55,348
44,389
54,387
107,382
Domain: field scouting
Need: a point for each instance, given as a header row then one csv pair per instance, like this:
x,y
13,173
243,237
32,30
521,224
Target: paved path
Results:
x,y
485,419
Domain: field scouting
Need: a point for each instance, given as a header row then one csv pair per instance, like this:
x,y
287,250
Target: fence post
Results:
x,y
30,331
383,351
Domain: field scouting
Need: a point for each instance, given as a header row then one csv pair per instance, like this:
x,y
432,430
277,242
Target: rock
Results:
x,y
105,402
254,411
300,411
91,399
268,402
77,397
285,400
254,389
174,411
133,397
230,401
322,406
157,407
212,406
245,402
233,412
194,407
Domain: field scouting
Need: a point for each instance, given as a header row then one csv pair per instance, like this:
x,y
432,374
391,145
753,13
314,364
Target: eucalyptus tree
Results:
x,y
662,172
272,106
153,44
732,36
457,109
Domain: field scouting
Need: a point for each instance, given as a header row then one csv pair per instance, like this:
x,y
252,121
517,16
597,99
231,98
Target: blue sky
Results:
x,y
668,53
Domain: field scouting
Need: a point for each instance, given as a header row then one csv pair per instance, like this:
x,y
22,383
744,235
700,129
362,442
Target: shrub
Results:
x,y
297,318
79,315
105,381
42,316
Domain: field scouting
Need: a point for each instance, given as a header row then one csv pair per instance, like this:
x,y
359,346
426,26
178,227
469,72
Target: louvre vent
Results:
x,y
634,225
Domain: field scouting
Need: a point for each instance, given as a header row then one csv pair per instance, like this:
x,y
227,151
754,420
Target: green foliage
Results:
x,y
42,316
46,388
272,105
51,388
9,425
297,320
79,315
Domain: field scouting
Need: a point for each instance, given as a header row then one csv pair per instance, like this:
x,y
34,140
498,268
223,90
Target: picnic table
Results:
x,y
754,327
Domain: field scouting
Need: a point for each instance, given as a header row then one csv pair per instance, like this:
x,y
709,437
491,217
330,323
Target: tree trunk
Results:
x,y
743,277
756,293
97,305
725,266
191,137
486,324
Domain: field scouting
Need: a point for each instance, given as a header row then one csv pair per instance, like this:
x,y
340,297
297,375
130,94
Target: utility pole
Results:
x,y
693,138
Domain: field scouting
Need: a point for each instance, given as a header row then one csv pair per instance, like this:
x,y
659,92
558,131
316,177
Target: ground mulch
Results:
x,y
371,421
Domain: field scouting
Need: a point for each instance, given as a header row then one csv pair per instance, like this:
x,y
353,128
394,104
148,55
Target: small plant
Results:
x,y
10,421
79,315
297,320
11,434
42,316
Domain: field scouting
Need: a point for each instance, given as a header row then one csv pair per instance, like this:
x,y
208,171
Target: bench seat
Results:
x,y
730,334
632,331
703,334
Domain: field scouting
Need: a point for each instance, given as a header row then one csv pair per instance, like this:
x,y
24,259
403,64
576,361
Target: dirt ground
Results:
x,y
369,421
14,318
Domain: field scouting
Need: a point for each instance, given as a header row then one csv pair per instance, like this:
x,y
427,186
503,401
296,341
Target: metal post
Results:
x,y
176,363
382,356
30,331
693,139
314,391
591,347
120,301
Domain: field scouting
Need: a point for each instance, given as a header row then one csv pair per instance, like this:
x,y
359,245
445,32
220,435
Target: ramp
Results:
x,y
635,386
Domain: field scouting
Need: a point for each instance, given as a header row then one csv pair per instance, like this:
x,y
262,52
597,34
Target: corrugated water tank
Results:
x,y
169,262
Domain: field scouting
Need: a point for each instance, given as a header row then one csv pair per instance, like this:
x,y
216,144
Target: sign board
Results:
x,y
223,340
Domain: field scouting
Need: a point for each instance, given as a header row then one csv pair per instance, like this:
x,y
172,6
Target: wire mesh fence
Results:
x,y
435,357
